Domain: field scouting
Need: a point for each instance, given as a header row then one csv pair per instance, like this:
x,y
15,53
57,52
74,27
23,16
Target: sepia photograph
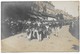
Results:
x,y
39,26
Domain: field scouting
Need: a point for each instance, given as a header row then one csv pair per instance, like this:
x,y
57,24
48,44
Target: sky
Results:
x,y
69,6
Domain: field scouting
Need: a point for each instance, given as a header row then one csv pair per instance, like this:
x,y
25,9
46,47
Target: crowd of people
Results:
x,y
35,29
41,29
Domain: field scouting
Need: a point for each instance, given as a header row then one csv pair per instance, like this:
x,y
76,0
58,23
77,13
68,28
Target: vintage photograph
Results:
x,y
39,26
